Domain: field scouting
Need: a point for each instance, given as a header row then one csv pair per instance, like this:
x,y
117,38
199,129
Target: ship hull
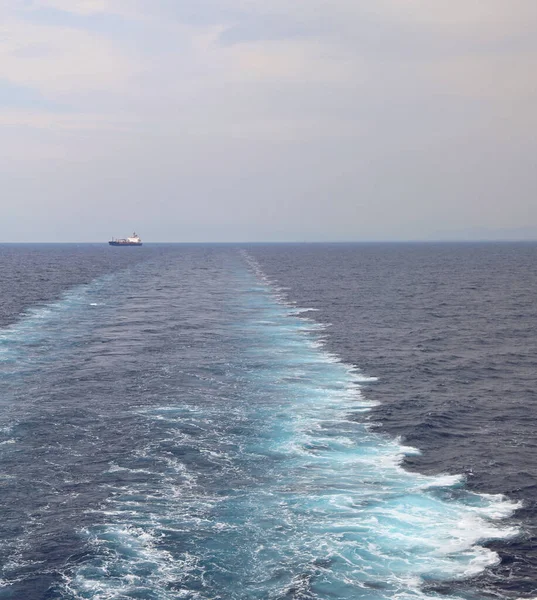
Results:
x,y
125,243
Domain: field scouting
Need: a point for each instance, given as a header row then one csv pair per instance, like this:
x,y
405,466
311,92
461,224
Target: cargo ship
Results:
x,y
133,240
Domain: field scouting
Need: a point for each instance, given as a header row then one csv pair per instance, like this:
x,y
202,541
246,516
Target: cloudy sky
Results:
x,y
252,120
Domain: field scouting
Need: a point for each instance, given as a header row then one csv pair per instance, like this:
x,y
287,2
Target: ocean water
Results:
x,y
267,422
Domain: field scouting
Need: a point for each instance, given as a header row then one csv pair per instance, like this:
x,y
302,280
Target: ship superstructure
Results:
x,y
133,240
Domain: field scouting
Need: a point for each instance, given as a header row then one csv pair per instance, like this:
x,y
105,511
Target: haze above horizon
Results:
x,y
233,120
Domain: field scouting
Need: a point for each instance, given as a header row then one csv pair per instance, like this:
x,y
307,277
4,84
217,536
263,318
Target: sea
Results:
x,y
268,422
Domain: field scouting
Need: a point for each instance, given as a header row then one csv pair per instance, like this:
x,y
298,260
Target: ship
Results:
x,y
133,240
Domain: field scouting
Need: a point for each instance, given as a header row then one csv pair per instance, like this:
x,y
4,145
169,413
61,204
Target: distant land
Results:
x,y
482,234
477,234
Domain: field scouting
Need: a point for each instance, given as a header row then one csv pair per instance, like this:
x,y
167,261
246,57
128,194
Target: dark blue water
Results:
x,y
175,424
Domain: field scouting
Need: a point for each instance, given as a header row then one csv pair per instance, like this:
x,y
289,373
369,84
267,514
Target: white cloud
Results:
x,y
387,100
57,121
60,61
84,7
486,18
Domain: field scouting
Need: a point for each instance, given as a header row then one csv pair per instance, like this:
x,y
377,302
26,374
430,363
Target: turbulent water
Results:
x,y
177,422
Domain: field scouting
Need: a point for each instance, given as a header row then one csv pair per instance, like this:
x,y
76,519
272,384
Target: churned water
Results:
x,y
179,422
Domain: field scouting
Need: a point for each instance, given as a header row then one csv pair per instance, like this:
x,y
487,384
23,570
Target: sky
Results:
x,y
268,120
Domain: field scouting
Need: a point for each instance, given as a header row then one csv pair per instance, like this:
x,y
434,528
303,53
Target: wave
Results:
x,y
28,342
264,480
382,526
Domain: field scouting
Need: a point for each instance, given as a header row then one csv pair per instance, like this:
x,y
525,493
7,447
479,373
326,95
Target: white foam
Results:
x,y
437,537
337,491
27,341
440,481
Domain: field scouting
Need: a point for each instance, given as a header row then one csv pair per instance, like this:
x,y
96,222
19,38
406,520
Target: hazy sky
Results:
x,y
229,120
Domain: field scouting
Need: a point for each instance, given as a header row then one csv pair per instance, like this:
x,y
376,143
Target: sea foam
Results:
x,y
270,483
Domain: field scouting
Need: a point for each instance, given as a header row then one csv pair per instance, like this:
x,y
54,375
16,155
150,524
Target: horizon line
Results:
x,y
268,242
